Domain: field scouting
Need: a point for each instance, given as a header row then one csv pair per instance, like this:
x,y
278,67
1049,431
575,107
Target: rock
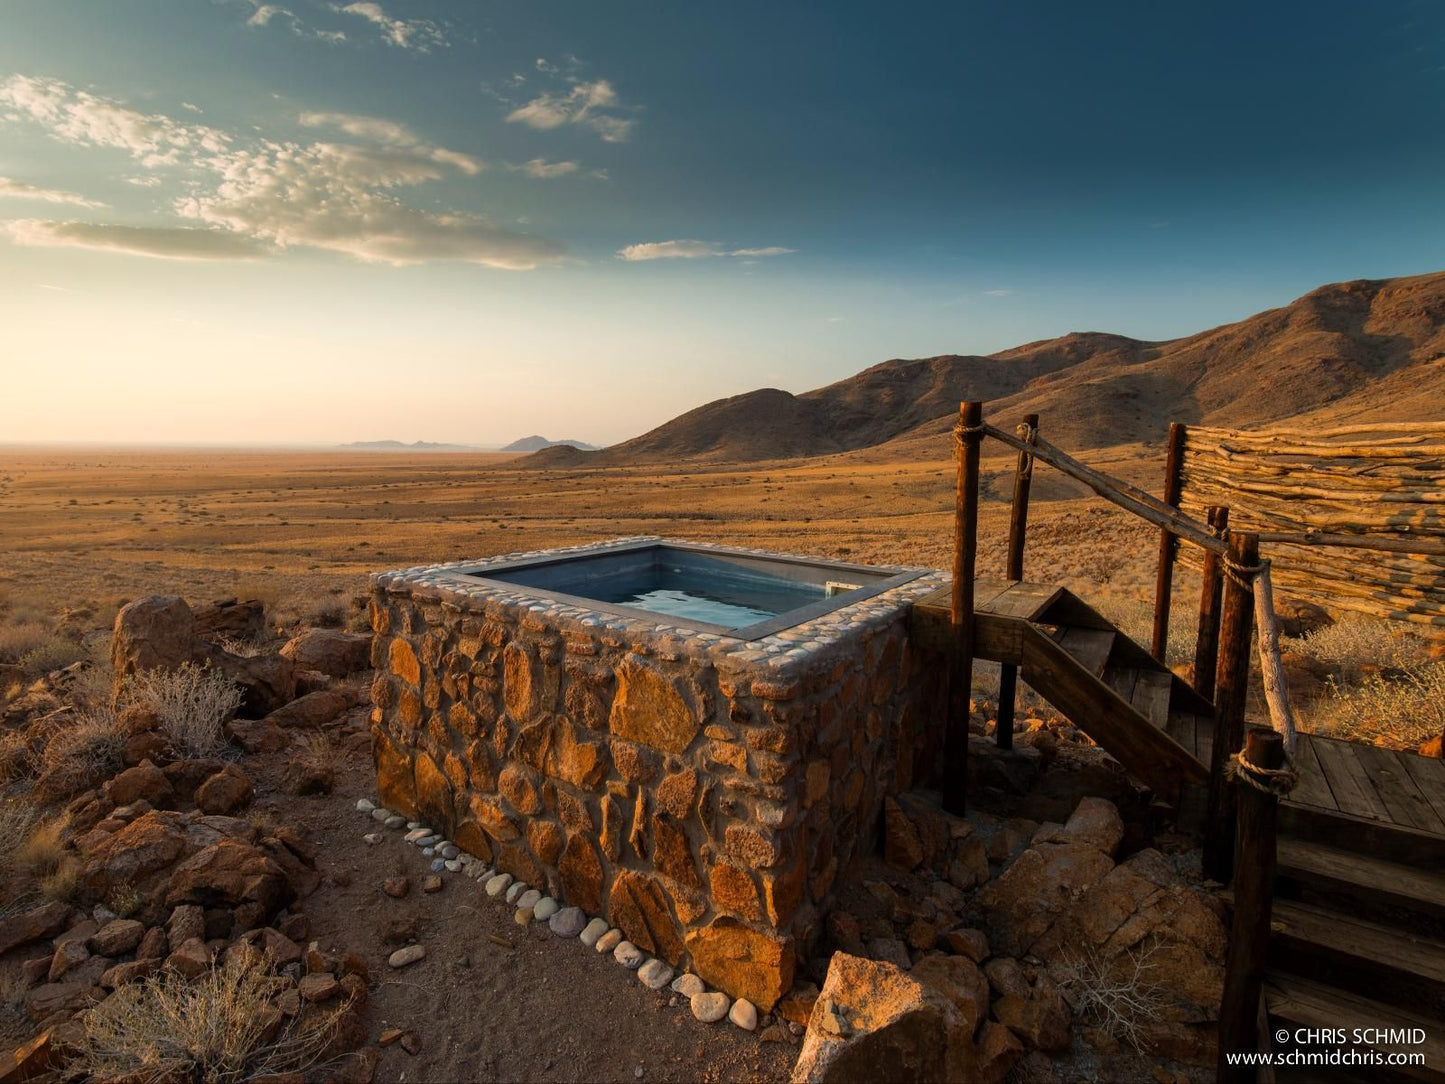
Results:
x,y
225,792
1043,882
68,955
231,619
744,1014
1041,1020
568,922
593,931
1007,978
959,980
1298,618
498,884
875,1022
1435,747
408,955
396,887
191,958
365,805
331,651
628,954
34,1059
654,974
1096,821
890,950
524,900
688,984
416,835
431,883
608,941
313,710
709,1008
650,709
997,1051
186,921
154,945
319,986
902,845
120,974
117,937
143,782
235,875
159,631
257,735
747,963
46,1001
34,925
546,907
970,943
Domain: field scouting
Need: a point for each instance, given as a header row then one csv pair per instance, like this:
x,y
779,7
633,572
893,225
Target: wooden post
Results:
x,y
1206,649
960,669
1168,544
1239,1012
1017,530
1236,630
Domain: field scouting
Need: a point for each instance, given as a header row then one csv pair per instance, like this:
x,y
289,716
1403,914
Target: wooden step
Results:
x,y
1090,647
1295,1003
1375,887
1151,696
1387,963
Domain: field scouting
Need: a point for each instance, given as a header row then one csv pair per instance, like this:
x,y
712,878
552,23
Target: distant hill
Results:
x,y
401,446
1354,351
536,443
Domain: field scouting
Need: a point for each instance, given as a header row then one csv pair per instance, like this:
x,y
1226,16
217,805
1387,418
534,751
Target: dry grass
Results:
x,y
84,753
1355,640
222,1028
51,653
313,765
44,852
1402,710
125,900
17,824
18,638
1135,618
191,702
1116,994
94,687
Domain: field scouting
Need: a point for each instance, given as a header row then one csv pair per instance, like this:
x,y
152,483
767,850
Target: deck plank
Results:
x,y
1151,696
1313,788
1090,646
1398,790
1183,727
1349,782
1122,680
1429,776
1025,600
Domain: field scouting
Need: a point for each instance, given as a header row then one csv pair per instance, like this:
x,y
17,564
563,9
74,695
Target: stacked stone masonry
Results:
x,y
700,791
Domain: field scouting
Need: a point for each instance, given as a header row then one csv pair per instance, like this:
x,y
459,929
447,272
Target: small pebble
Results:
x,y
431,883
437,865
408,955
395,821
528,899
608,941
593,930
380,815
453,865
396,887
709,1008
516,889
372,838
567,922
688,984
546,908
450,850
744,1014
654,974
427,852
365,805
412,826
498,884
628,954
416,835
522,916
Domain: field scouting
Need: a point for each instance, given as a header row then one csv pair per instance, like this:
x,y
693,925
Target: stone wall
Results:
x,y
703,799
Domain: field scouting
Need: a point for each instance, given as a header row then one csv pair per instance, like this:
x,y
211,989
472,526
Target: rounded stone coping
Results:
x,y
789,653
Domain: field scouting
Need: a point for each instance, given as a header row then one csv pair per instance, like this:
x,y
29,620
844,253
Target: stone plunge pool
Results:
x,y
688,740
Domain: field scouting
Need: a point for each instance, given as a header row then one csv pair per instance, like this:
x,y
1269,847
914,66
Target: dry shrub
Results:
x,y
43,853
63,883
1356,640
15,760
125,900
84,753
313,765
17,638
191,702
94,686
244,648
1115,994
1405,708
51,653
222,1028
17,825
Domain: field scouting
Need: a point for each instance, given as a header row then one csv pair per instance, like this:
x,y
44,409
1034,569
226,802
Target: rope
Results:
x,y
1276,781
960,431
1243,575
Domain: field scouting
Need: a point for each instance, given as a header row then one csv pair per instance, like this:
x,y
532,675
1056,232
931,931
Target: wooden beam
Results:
x,y
1168,544
1236,632
1253,896
965,548
1017,531
1206,645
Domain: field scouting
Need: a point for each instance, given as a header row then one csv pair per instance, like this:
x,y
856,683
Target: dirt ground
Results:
x,y
544,1009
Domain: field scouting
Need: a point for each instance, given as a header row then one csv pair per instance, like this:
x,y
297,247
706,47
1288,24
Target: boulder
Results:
x,y
159,631
1041,1020
743,962
257,735
143,782
231,619
235,875
267,682
225,792
875,1022
55,997
117,937
1095,821
37,924
959,980
1043,882
1299,618
313,709
330,651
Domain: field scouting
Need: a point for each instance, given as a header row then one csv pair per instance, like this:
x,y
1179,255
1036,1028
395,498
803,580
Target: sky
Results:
x,y
317,221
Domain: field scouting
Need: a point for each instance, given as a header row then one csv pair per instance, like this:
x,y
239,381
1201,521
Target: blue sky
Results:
x,y
231,220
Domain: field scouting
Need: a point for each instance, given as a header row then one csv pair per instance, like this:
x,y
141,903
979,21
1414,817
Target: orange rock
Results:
x,y
545,838
783,893
403,662
581,873
743,961
733,890
395,780
637,906
516,785
519,688
672,853
649,709
433,792
581,763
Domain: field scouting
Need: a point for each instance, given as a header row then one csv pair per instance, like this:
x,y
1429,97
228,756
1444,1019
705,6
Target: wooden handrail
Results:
x,y
1419,546
1142,504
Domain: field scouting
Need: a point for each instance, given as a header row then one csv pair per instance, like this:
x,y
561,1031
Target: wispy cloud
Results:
x,y
418,35
592,104
166,242
543,169
997,293
14,189
693,250
267,14
254,195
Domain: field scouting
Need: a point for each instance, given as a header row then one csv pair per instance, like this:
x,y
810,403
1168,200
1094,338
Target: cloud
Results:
x,y
166,242
997,293
393,135
693,250
418,35
265,14
338,196
545,170
593,105
20,190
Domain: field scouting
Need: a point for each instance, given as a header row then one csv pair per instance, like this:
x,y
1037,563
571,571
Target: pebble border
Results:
x,y
530,905
786,654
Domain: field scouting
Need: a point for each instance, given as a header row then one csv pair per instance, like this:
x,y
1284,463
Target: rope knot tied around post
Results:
x,y
1276,781
1244,575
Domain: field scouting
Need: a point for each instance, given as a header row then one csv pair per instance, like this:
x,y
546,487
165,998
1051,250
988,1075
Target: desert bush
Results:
x,y
244,648
312,769
221,1028
63,883
17,824
83,753
1357,640
43,852
19,637
1115,994
51,653
15,759
125,900
191,702
1403,709
95,685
